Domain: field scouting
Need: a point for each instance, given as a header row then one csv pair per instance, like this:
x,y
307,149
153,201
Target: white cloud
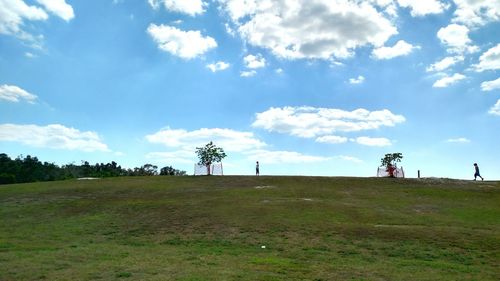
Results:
x,y
218,66
456,38
401,48
283,157
458,140
13,13
279,70
59,8
444,63
16,15
421,8
190,7
489,60
495,109
388,6
229,140
229,29
368,141
490,85
181,156
184,44
309,29
448,80
248,73
358,80
239,8
309,122
331,139
52,136
254,62
15,94
349,158
476,12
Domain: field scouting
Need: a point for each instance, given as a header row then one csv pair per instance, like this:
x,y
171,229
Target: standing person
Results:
x,y
257,168
476,174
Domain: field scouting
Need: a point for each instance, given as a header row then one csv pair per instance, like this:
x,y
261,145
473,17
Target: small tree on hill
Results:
x,y
209,154
389,161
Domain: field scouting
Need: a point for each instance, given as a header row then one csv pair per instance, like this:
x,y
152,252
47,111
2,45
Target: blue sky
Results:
x,y
305,87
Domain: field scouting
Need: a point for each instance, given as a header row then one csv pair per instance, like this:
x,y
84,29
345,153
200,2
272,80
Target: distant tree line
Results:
x,y
30,169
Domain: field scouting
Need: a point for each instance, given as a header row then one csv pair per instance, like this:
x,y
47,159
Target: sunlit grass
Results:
x,y
214,228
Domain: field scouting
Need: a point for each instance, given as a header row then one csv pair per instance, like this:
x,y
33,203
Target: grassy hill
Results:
x,y
249,228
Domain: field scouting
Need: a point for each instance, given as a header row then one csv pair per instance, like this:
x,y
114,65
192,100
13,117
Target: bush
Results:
x,y
7,178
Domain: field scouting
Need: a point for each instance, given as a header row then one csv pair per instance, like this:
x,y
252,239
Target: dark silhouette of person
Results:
x,y
257,168
476,173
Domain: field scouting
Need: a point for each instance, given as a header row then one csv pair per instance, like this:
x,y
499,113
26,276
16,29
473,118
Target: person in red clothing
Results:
x,y
390,170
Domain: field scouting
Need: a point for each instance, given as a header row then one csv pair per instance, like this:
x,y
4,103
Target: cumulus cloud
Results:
x,y
368,141
286,157
16,14
218,66
184,44
489,60
331,139
456,38
230,140
401,48
448,80
15,94
249,73
181,156
254,62
190,7
444,63
59,8
490,85
52,136
309,122
476,12
423,7
458,140
388,6
309,29
495,109
13,15
358,80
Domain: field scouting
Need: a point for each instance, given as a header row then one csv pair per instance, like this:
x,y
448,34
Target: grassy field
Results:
x,y
215,228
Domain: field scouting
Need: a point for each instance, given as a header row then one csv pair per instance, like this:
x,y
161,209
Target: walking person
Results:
x,y
476,174
257,173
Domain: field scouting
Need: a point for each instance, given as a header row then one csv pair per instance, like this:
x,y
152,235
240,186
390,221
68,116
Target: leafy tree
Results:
x,y
7,178
30,169
390,161
144,170
170,171
209,154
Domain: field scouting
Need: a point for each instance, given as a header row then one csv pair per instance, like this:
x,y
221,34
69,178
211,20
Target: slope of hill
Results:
x,y
250,228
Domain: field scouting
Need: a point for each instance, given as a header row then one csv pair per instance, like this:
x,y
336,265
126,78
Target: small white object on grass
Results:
x,y
262,247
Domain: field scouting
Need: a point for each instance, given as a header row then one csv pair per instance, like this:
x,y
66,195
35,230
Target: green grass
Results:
x,y
213,228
